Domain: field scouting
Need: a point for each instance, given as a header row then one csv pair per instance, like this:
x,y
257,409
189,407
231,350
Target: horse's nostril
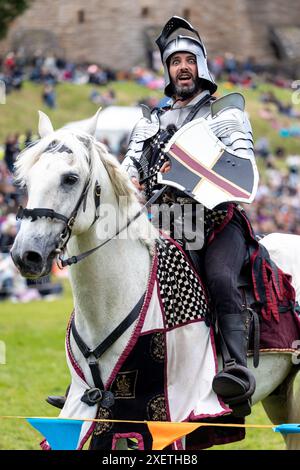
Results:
x,y
32,257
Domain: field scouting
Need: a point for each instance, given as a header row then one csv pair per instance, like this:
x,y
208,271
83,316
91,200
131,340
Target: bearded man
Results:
x,y
190,86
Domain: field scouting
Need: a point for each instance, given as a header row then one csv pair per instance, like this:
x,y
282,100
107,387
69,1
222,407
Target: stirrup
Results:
x,y
235,385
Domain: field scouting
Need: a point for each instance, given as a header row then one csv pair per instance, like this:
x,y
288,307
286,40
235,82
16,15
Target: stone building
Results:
x,y
120,33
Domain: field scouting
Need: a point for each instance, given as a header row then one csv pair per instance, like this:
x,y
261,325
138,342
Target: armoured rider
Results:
x,y
190,86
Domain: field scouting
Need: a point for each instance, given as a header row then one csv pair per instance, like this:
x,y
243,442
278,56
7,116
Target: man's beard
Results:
x,y
185,92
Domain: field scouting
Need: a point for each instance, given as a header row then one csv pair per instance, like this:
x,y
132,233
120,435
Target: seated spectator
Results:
x,y
11,151
49,98
8,233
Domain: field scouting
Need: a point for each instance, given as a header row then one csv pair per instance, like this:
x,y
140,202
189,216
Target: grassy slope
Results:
x,y
20,111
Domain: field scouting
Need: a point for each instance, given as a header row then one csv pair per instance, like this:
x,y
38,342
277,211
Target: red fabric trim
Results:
x,y
178,445
276,291
87,435
134,435
219,228
44,445
278,284
166,379
73,361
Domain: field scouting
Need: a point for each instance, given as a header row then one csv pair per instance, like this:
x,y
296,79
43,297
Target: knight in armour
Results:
x,y
190,87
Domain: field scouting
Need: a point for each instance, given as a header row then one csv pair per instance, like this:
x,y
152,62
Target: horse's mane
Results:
x,y
54,142
80,143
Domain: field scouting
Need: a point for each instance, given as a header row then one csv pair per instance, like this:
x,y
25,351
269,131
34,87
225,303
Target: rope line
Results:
x,y
95,420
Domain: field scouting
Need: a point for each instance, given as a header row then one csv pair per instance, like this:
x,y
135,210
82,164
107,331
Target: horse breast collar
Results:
x,y
98,394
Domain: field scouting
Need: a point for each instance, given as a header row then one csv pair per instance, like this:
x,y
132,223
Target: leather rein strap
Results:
x,y
76,259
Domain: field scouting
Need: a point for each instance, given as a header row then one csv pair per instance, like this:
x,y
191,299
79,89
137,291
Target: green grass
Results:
x,y
36,367
21,109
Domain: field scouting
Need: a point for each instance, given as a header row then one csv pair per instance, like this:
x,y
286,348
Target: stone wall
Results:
x,y
112,32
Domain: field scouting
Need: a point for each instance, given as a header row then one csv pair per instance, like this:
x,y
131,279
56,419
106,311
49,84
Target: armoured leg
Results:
x,y
224,260
235,384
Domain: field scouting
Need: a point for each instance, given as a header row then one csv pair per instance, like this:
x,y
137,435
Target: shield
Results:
x,y
205,169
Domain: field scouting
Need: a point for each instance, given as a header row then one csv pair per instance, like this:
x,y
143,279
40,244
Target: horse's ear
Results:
x,y
91,126
45,125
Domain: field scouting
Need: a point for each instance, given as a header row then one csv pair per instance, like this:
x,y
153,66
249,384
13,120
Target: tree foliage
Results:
x,y
9,10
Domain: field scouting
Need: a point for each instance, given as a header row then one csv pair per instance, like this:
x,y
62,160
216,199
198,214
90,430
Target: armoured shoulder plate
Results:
x,y
230,124
146,127
232,100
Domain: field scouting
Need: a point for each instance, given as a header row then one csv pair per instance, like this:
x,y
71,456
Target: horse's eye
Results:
x,y
69,180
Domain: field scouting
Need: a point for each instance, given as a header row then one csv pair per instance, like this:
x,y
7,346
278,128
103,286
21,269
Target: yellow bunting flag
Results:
x,y
164,433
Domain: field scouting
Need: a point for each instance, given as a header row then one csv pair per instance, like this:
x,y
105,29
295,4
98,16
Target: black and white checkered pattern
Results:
x,y
182,295
217,216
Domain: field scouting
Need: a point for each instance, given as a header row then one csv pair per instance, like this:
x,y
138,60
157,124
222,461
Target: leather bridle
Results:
x,y
37,213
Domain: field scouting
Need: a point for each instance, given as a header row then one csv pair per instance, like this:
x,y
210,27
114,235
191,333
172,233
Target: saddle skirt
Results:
x,y
166,370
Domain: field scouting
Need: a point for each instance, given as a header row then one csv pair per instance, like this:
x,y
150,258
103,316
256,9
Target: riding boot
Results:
x,y
235,384
58,400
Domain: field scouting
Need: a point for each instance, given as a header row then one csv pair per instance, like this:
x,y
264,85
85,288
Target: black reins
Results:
x,y
81,256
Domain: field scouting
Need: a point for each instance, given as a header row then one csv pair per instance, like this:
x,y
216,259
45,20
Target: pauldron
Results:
x,y
230,124
146,128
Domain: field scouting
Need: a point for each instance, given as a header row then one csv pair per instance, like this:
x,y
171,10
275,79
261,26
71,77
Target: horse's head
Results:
x,y
58,172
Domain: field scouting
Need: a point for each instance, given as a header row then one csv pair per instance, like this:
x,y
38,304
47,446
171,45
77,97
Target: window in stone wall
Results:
x,y
186,13
145,12
81,16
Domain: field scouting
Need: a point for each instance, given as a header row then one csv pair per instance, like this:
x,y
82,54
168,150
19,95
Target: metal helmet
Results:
x,y
194,45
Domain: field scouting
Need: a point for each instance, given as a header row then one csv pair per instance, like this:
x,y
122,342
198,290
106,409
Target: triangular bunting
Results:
x,y
61,434
288,428
164,433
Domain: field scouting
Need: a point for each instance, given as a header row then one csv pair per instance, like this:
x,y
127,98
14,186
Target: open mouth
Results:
x,y
184,78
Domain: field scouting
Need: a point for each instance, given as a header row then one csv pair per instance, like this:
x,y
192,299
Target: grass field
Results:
x,y
34,337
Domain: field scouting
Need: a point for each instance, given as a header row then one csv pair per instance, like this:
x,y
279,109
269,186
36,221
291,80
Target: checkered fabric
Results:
x,y
182,294
213,218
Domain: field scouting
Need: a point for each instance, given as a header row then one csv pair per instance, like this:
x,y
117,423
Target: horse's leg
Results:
x,y
293,440
282,407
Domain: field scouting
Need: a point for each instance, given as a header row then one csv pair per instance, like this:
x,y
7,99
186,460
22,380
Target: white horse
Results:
x,y
64,172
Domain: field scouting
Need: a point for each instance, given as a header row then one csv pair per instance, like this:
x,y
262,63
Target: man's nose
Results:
x,y
184,66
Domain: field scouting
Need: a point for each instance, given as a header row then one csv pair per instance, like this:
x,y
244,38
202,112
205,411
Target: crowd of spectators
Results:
x,y
12,284
277,204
